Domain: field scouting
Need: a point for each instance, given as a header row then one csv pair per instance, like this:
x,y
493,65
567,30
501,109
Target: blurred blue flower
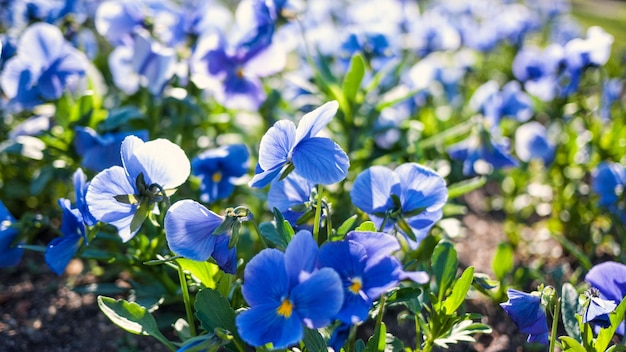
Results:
x,y
409,199
609,278
538,70
61,249
363,261
481,153
44,68
528,314
123,196
232,73
611,92
218,170
317,159
142,62
99,152
285,291
495,104
10,255
116,20
375,47
609,182
531,142
190,232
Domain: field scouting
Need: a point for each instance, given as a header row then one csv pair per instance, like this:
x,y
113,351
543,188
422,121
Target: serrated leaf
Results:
x,y
203,271
569,344
445,264
214,311
503,260
462,331
346,225
569,308
313,341
367,226
354,76
131,317
459,291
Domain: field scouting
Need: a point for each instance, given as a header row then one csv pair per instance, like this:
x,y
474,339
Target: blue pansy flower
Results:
x,y
99,152
232,69
123,196
609,182
285,291
79,179
60,250
10,255
609,278
409,199
218,170
117,20
142,62
528,314
532,142
317,159
495,104
598,309
44,67
189,230
363,261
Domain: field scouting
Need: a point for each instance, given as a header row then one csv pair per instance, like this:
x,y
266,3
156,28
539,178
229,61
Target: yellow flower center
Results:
x,y
356,286
285,308
217,176
240,72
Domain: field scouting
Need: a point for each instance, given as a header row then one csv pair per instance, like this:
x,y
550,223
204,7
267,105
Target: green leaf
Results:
x,y
569,344
406,229
346,225
140,216
214,311
120,117
445,264
462,331
605,335
378,341
353,78
270,233
313,341
404,294
459,291
285,231
569,308
131,317
503,260
460,188
367,226
203,271
83,109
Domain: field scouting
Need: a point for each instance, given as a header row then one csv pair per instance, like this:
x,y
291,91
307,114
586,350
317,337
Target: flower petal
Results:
x,y
60,251
381,276
161,161
261,324
610,279
376,244
372,189
319,298
263,178
102,204
226,258
41,43
313,122
300,256
421,188
291,191
276,145
189,229
320,160
265,278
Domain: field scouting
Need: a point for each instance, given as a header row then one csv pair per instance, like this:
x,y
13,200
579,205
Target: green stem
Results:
x,y
329,225
318,213
185,290
352,338
258,231
448,134
555,323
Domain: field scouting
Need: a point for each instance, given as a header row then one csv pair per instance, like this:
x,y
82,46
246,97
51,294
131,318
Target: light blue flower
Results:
x,y
123,196
531,142
609,278
45,66
285,291
317,159
409,199
61,249
190,232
